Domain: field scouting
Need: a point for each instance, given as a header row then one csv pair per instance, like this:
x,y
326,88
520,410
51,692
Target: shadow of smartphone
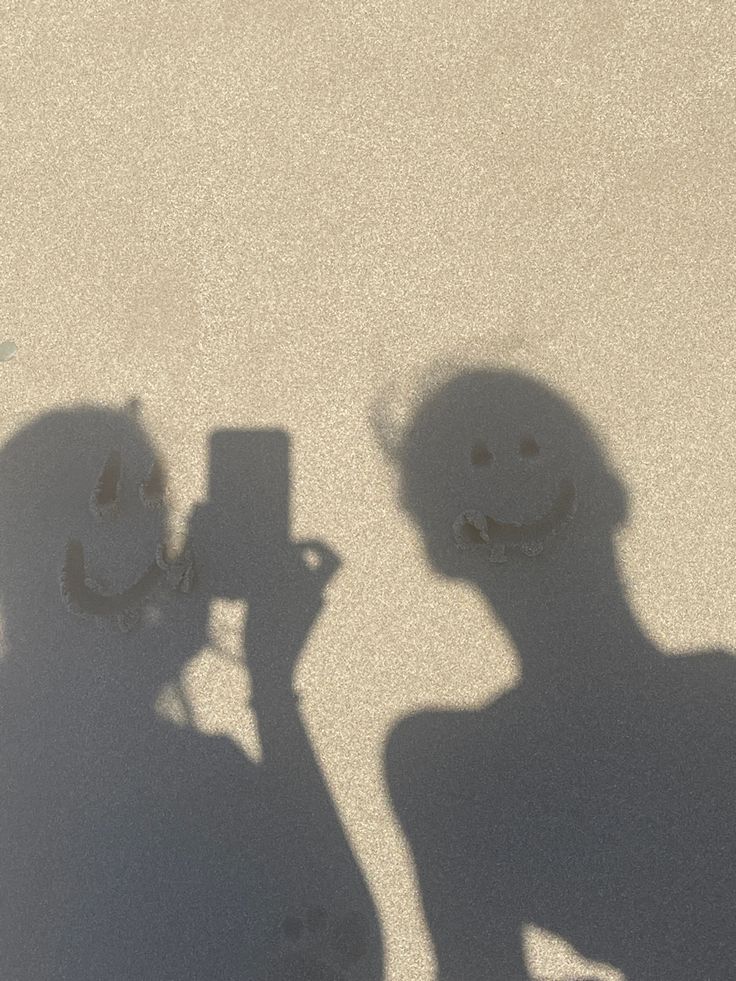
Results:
x,y
242,531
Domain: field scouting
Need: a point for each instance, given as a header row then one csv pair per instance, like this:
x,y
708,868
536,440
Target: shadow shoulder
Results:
x,y
709,675
433,750
438,730
709,667
713,660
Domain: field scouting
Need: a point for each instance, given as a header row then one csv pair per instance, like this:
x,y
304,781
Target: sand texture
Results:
x,y
247,251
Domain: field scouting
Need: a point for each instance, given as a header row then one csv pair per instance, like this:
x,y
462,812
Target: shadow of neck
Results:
x,y
571,623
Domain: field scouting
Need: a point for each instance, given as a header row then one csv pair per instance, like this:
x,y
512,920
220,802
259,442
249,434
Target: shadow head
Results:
x,y
505,480
83,518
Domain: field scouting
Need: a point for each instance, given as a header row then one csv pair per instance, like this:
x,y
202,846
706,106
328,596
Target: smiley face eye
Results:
x,y
105,496
528,447
480,455
153,488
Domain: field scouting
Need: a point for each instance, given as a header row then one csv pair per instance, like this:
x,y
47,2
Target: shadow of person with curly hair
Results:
x,y
132,847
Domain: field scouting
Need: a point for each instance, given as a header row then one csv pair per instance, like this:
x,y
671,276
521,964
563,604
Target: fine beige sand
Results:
x,y
280,214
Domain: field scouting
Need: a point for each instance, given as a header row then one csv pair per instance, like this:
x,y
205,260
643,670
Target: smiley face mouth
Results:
x,y
83,596
475,531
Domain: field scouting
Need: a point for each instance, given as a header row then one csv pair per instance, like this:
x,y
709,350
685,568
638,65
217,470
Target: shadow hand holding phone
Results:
x,y
245,552
244,549
282,615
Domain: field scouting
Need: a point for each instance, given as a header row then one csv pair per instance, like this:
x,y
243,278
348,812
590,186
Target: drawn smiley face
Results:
x,y
139,533
495,465
524,464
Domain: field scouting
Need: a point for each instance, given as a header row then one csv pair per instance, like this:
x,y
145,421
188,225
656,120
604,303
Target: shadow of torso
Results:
x,y
123,868
136,849
604,813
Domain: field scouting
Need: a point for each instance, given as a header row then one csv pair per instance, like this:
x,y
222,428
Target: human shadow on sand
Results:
x,y
132,848
597,798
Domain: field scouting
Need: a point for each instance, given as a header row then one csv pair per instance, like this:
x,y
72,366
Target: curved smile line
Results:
x,y
473,529
84,597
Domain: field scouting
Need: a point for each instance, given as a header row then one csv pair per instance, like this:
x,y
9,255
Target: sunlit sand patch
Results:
x,y
170,706
213,693
550,958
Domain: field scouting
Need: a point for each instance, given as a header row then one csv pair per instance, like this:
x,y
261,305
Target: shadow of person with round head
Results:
x,y
132,847
596,798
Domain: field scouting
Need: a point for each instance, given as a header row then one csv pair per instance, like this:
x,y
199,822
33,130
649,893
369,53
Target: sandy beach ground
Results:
x,y
276,214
